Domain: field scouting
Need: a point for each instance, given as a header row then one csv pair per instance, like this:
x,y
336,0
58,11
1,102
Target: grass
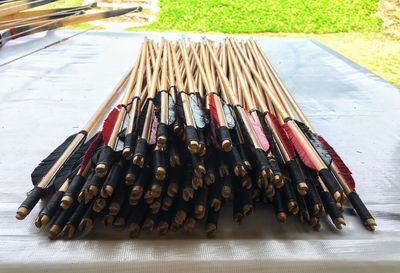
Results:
x,y
252,16
377,52
357,30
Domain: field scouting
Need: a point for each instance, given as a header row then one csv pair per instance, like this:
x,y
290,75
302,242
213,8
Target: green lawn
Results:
x,y
377,52
252,16
355,29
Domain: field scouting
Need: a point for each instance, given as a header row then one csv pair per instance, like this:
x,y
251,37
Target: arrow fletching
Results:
x,y
171,110
213,109
91,147
43,168
198,114
316,143
228,116
305,158
279,131
109,122
153,132
343,169
259,133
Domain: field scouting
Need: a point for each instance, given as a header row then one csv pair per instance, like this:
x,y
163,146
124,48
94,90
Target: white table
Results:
x,y
51,94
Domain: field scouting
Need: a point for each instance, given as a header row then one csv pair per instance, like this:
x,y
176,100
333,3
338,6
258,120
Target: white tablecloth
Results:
x,y
49,95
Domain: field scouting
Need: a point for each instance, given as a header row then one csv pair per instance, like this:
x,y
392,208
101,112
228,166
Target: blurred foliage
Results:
x,y
254,16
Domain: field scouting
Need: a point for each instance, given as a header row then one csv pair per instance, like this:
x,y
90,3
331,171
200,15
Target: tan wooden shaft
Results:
x,y
156,68
164,69
230,94
138,88
164,87
234,47
217,100
164,108
40,25
200,68
34,19
213,76
242,82
188,70
178,75
256,85
185,102
143,95
277,82
148,121
171,76
148,118
152,53
256,58
263,84
148,69
65,185
82,18
228,88
264,97
7,4
232,74
224,63
11,9
24,22
124,102
245,89
207,69
200,86
36,13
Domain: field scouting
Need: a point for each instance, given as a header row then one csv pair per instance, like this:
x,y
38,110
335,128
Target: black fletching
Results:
x,y
142,119
267,131
157,105
43,168
198,114
228,116
243,129
171,110
316,143
71,164
179,108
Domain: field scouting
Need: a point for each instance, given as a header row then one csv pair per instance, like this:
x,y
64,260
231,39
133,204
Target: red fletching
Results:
x,y
102,136
259,133
153,132
109,123
278,130
343,169
90,151
299,148
213,109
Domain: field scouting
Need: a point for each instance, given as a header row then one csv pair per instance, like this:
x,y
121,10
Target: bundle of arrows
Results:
x,y
198,126
18,20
